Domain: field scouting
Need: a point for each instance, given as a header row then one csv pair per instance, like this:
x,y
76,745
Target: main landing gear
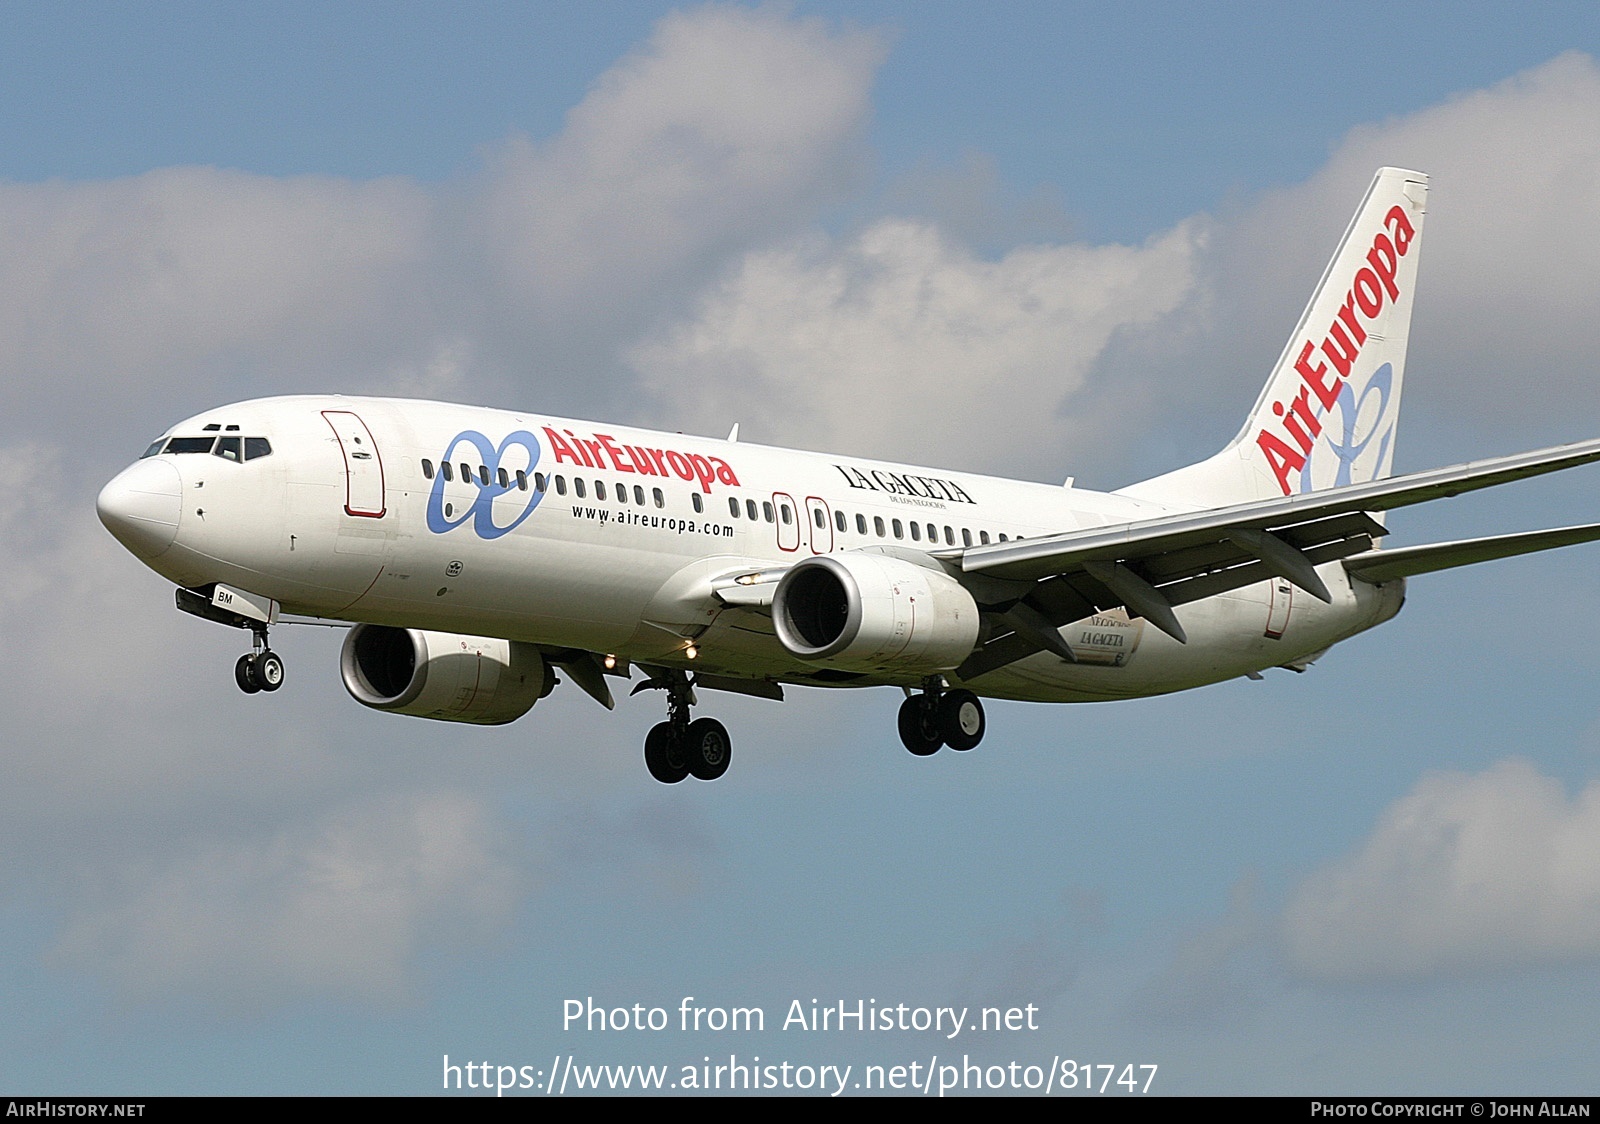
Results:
x,y
678,747
260,669
938,717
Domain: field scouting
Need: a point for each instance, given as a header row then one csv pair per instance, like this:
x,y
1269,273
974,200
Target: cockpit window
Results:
x,y
228,449
190,444
155,447
257,447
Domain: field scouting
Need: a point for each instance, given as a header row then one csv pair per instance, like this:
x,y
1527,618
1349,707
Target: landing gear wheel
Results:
x,y
917,731
244,674
961,719
268,672
707,748
663,755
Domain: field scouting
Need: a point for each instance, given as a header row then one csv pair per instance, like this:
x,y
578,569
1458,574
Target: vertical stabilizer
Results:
x,y
1328,414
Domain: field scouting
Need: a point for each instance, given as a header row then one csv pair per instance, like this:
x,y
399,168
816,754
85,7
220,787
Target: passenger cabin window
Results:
x,y
983,537
427,469
916,531
522,481
899,531
733,506
783,510
466,473
599,489
966,537
577,487
699,504
483,472
861,524
447,470
840,521
750,510
655,494
540,481
638,494
877,525
766,510
949,536
229,449
561,485
504,478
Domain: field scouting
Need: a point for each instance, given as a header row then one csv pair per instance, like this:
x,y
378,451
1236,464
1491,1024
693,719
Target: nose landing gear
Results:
x,y
260,669
678,747
938,717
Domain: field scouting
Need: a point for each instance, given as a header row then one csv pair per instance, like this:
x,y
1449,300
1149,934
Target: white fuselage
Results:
x,y
351,517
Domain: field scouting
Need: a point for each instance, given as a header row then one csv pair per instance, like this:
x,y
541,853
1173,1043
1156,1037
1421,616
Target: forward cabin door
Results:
x,y
363,466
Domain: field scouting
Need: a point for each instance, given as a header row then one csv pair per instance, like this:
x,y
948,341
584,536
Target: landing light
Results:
x,y
691,651
611,661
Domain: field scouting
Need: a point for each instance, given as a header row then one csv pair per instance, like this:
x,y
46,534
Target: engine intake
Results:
x,y
871,612
441,675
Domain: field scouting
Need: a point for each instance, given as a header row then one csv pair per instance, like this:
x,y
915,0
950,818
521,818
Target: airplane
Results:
x,y
477,552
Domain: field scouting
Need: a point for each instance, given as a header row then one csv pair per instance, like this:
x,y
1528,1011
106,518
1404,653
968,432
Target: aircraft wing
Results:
x,y
1034,586
1386,565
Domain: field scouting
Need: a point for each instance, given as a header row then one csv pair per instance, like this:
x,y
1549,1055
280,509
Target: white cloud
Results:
x,y
1504,329
339,907
188,273
898,343
187,285
1470,872
726,123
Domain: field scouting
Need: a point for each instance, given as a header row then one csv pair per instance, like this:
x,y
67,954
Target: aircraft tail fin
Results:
x,y
1328,413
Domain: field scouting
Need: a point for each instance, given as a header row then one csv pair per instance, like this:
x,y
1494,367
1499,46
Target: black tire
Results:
x,y
961,719
662,756
268,671
244,674
708,749
917,732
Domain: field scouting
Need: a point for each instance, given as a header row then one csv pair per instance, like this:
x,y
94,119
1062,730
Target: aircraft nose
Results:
x,y
140,506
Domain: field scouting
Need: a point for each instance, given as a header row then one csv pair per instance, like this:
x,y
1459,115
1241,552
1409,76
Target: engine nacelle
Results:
x,y
872,612
441,675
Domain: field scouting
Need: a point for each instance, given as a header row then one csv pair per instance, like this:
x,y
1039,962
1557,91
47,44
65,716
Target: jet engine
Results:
x,y
872,612
442,675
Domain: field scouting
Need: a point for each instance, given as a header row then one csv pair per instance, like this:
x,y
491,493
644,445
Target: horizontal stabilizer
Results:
x,y
1386,565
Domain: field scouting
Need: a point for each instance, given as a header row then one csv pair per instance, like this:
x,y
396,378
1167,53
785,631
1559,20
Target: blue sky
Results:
x,y
1375,877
